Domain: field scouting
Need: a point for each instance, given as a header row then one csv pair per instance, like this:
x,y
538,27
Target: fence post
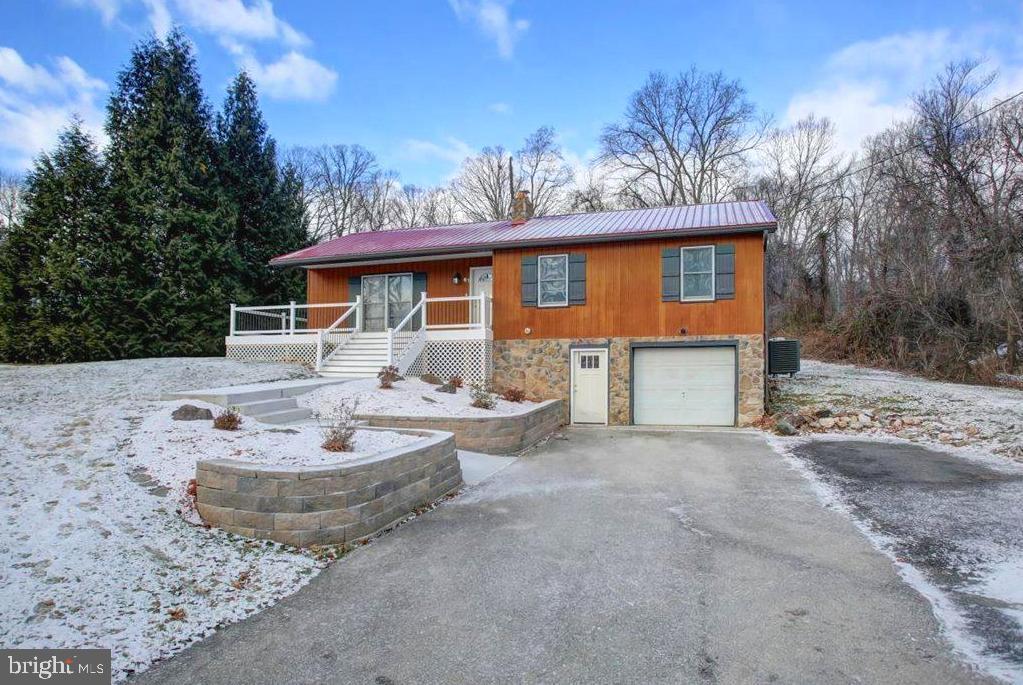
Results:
x,y
231,326
390,347
422,317
319,351
291,314
358,313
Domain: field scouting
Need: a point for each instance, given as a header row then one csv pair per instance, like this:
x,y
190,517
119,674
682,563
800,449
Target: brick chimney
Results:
x,y
522,208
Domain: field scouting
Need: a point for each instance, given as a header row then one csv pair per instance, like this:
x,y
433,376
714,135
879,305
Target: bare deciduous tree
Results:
x,y
540,169
684,140
482,189
12,201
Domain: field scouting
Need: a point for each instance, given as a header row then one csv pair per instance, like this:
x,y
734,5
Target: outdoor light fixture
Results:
x,y
457,278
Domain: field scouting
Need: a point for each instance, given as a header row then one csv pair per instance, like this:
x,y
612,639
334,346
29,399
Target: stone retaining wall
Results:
x,y
542,368
319,505
499,434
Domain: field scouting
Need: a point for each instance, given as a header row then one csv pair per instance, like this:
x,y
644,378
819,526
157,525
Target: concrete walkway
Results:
x,y
613,556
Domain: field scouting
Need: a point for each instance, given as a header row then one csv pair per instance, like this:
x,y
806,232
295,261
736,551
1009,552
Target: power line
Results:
x,y
910,148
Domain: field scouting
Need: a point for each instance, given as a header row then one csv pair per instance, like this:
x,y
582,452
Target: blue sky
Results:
x,y
424,82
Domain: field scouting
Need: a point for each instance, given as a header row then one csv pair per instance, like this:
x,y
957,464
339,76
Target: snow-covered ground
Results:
x,y
982,418
93,550
948,516
410,397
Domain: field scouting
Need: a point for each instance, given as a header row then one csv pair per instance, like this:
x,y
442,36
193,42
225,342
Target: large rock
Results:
x,y
190,412
783,427
827,422
448,388
431,378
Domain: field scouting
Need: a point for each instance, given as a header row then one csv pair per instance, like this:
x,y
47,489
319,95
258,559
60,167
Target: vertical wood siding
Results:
x,y
623,294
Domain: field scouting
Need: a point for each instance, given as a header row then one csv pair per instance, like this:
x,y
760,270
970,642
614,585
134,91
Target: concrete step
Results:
x,y
285,416
260,407
327,373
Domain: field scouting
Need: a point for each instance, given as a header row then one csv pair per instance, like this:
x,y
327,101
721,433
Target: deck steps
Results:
x,y
361,357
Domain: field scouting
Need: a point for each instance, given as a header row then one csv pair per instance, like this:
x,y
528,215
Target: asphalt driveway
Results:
x,y
612,556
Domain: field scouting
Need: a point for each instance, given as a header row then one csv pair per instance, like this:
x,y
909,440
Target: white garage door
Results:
x,y
684,386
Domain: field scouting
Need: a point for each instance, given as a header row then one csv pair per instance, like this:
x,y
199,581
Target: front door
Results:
x,y
481,282
589,386
386,300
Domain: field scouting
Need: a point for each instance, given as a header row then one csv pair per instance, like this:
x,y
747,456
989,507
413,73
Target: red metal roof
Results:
x,y
629,224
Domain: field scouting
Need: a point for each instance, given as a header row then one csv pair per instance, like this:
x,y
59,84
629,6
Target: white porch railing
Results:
x,y
335,336
406,340
284,319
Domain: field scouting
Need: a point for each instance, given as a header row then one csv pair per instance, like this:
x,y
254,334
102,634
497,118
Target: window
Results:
x,y
589,361
698,273
552,280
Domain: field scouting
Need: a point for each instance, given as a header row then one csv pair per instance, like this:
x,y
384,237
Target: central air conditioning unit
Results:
x,y
782,356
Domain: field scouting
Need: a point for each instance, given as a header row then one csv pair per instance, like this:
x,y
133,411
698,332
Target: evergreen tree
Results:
x,y
180,266
51,265
269,214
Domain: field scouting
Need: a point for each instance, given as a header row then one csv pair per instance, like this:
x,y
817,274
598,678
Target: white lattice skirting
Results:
x,y
473,360
277,348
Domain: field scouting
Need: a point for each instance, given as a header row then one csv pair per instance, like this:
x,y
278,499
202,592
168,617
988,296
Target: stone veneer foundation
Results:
x,y
542,369
498,434
320,505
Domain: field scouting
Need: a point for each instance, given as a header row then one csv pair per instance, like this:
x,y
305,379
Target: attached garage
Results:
x,y
692,385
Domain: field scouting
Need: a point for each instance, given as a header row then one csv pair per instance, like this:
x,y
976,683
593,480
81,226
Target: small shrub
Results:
x,y
388,375
481,397
338,427
228,420
455,381
513,395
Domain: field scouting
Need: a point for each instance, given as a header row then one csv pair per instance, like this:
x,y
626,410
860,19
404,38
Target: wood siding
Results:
x,y
331,285
623,294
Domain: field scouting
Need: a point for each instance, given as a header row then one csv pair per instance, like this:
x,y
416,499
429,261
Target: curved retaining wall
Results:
x,y
320,505
498,434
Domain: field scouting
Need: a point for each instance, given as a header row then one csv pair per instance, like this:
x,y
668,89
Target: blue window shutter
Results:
x,y
354,287
418,288
724,272
529,281
577,278
671,274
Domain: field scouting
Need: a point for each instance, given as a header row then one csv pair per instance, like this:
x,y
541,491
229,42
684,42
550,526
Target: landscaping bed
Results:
x,y
504,428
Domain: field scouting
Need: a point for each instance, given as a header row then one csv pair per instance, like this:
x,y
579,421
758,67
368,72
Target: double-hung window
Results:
x,y
698,273
552,280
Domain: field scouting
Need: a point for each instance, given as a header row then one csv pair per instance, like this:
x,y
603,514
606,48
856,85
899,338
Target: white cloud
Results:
x,y
36,103
451,149
292,77
236,19
159,17
492,18
866,86
499,107
108,9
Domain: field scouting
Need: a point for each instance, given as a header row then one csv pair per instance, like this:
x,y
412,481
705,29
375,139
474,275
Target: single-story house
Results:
x,y
645,316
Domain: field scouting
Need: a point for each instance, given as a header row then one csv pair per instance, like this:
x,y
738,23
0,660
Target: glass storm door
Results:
x,y
386,300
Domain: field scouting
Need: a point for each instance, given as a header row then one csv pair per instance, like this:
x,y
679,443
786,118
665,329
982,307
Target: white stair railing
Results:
x,y
335,336
405,342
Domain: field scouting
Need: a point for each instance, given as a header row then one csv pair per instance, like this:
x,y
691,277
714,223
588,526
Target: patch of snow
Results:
x,y
406,398
981,418
93,551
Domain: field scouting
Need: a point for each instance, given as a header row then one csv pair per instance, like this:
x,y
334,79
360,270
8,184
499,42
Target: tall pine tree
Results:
x,y
269,213
183,268
52,267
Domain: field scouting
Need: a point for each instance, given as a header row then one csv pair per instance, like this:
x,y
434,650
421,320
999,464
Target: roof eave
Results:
x,y
536,242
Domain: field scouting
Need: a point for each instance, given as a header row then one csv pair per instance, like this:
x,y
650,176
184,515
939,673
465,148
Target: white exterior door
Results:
x,y
684,386
481,282
589,386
